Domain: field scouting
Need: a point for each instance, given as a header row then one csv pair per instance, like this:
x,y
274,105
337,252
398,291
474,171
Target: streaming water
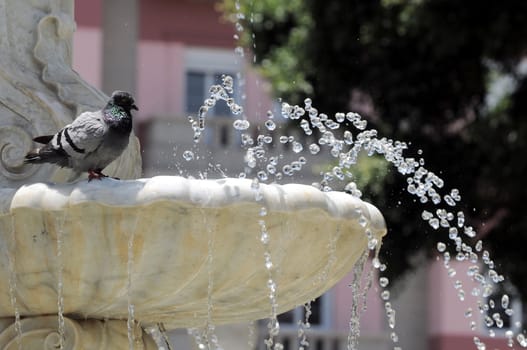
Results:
x,y
205,337
251,335
11,254
133,328
265,238
354,323
158,333
303,326
60,279
130,323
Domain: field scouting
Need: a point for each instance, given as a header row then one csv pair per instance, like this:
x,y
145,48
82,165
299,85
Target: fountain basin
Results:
x,y
169,245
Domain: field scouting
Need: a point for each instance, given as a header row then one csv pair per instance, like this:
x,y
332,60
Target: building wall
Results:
x,y
174,36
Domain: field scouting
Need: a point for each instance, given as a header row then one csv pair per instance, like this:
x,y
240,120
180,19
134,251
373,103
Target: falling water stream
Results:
x,y
130,322
11,254
60,279
205,337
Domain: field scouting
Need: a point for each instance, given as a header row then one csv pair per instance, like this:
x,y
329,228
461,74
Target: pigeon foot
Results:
x,y
95,174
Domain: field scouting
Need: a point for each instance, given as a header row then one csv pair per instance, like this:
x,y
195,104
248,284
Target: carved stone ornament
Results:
x,y
42,333
39,91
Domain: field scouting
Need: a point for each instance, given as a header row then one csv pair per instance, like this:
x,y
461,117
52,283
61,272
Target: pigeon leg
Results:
x,y
95,174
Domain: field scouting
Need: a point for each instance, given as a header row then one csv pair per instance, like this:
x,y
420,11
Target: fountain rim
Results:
x,y
205,193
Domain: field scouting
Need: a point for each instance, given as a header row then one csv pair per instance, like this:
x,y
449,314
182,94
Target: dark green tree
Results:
x,y
426,69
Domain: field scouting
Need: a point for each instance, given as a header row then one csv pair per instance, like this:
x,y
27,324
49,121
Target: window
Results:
x,y
197,90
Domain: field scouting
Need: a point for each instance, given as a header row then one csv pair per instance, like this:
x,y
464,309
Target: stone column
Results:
x,y
120,36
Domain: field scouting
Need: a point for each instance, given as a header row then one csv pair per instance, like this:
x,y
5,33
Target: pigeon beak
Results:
x,y
135,107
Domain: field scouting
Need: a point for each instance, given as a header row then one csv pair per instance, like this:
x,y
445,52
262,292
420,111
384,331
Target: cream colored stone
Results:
x,y
42,333
315,239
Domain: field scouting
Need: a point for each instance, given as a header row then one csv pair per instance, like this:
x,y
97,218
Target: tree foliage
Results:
x,y
428,67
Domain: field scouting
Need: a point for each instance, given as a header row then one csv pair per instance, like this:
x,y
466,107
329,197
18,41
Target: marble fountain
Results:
x,y
85,264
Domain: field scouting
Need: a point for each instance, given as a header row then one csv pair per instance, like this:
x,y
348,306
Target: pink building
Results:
x,y
169,52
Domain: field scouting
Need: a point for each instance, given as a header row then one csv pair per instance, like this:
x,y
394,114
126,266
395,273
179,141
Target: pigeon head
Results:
x,y
123,99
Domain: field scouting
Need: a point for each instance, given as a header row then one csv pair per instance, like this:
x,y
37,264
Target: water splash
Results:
x,y
337,139
223,92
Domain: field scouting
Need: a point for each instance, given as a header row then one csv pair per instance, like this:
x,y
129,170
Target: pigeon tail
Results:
x,y
46,155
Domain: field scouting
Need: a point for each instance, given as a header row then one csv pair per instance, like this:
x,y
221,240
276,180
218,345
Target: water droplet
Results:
x,y
297,147
287,170
363,221
505,301
270,125
522,340
434,223
449,200
441,247
283,139
383,282
188,155
241,124
239,50
376,263
372,243
469,231
314,148
262,175
460,219
264,238
340,117
426,215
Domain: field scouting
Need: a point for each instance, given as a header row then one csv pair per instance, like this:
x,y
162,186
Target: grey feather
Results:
x,y
92,141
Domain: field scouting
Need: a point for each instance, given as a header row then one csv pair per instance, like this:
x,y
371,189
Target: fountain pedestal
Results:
x,y
183,252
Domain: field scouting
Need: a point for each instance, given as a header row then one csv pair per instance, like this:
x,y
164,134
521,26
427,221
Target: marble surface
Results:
x,y
162,231
42,333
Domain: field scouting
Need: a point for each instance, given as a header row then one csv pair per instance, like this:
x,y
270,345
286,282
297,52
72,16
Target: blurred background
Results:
x,y
446,76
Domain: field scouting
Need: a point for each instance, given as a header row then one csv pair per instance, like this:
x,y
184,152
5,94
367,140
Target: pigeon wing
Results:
x,y
84,135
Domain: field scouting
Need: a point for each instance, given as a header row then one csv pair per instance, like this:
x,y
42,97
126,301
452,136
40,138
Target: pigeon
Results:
x,y
92,141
